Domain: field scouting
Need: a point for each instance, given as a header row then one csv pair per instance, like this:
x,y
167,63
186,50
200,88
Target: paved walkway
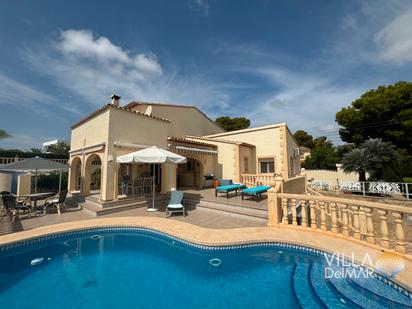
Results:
x,y
209,195
201,217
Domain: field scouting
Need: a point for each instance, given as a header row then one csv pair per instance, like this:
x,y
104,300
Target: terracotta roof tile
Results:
x,y
106,107
135,103
189,141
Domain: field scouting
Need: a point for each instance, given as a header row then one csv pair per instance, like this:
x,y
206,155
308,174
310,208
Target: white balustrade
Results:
x,y
351,218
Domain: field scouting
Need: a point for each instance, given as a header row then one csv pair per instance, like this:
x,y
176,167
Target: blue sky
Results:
x,y
272,61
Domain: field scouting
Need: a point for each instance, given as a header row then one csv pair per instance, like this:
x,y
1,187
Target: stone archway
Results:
x,y
75,174
92,174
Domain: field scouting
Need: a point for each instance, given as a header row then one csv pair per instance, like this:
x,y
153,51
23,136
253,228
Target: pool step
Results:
x,y
392,297
322,290
354,296
303,292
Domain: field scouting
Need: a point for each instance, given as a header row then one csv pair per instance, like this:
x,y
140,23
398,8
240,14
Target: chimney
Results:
x,y
115,100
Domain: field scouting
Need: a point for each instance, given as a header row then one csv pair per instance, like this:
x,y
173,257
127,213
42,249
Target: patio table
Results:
x,y
34,197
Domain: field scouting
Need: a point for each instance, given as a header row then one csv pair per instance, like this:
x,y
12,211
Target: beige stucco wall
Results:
x,y
267,142
92,132
330,176
126,127
224,163
184,120
295,184
294,162
114,125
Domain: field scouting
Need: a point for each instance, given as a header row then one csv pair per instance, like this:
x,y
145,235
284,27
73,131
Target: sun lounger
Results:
x,y
176,203
255,191
229,188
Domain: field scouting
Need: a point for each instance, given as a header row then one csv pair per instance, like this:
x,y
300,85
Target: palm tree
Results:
x,y
4,134
355,161
371,157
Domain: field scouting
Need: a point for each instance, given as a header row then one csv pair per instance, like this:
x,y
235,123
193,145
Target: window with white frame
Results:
x,y
266,166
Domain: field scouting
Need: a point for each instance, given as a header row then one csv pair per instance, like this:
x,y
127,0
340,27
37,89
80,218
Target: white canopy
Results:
x,y
152,155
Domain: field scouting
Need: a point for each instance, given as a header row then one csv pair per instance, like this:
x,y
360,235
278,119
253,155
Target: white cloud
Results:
x,y
395,39
92,68
373,32
18,93
202,6
82,44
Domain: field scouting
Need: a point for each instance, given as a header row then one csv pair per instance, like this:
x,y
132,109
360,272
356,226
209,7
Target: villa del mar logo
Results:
x,y
341,265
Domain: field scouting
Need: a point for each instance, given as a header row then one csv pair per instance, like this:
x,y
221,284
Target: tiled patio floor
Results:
x,y
201,217
209,195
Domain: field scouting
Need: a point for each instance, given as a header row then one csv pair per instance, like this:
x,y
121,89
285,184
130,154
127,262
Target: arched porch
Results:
x,y
75,174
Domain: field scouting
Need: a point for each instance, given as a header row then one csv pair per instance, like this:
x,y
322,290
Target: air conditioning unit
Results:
x,y
296,152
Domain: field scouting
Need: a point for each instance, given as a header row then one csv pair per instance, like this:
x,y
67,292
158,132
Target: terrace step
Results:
x,y
96,209
240,210
303,290
95,200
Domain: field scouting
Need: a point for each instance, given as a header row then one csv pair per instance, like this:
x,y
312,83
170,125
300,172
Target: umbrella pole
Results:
x,y
60,181
152,209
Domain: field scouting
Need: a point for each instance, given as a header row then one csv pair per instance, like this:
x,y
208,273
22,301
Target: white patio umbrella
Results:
x,y
152,155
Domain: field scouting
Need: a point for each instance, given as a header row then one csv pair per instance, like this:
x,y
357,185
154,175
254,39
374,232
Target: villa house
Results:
x,y
112,131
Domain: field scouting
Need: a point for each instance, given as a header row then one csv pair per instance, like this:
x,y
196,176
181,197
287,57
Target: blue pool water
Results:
x,y
126,268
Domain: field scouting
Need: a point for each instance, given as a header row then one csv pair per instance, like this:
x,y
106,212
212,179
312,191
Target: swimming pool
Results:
x,y
140,268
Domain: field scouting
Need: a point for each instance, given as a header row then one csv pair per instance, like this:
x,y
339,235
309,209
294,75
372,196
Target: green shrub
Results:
x,y
51,182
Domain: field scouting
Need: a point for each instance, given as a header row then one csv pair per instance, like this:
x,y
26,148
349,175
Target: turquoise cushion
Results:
x,y
256,190
230,187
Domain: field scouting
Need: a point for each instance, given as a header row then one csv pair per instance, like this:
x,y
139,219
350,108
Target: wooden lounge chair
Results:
x,y
255,191
176,204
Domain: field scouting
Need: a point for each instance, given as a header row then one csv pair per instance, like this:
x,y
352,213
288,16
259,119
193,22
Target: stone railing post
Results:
x,y
304,210
384,228
355,222
274,208
312,215
345,220
322,216
334,219
285,211
362,223
294,212
370,236
400,234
